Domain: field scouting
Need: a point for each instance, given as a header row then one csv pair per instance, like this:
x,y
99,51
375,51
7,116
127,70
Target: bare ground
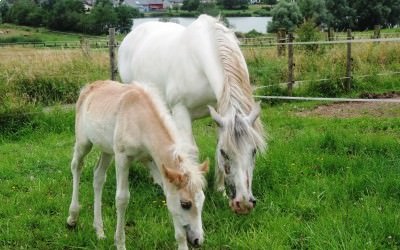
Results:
x,y
357,109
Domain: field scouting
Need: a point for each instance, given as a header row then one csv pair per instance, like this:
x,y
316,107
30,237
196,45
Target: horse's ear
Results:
x,y
204,166
216,117
255,112
175,177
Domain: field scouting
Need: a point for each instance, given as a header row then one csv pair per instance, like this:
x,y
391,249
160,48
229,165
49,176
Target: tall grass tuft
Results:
x,y
322,72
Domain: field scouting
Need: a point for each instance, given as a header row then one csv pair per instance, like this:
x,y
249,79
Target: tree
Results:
x,y
314,10
101,17
4,8
125,14
370,13
25,12
234,4
285,15
270,2
190,5
340,15
65,15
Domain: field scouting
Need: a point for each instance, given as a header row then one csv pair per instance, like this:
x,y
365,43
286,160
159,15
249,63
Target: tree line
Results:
x,y
68,15
337,14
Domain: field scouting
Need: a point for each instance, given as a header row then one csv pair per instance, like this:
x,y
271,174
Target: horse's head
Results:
x,y
238,142
185,200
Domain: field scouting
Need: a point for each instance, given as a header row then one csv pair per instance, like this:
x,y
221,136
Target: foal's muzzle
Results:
x,y
195,240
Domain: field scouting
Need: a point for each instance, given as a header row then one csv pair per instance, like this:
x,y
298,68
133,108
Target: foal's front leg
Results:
x,y
80,151
98,183
121,198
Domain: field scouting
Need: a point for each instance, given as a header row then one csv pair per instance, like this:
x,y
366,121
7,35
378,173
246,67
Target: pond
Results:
x,y
240,24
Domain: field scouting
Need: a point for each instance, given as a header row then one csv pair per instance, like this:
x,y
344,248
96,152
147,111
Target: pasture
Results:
x,y
325,182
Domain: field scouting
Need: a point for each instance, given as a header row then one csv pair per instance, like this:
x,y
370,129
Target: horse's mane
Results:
x,y
185,151
237,91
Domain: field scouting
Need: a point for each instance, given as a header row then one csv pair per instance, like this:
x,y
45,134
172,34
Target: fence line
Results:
x,y
104,43
326,79
371,40
301,98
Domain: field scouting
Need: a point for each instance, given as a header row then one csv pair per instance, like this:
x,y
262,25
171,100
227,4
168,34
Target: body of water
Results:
x,y
240,24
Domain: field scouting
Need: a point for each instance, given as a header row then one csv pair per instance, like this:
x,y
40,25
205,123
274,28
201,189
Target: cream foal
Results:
x,y
131,123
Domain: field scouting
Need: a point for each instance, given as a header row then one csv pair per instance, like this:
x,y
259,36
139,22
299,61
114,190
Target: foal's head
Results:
x,y
238,142
185,199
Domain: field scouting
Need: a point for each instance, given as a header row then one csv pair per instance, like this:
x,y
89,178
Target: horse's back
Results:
x,y
146,41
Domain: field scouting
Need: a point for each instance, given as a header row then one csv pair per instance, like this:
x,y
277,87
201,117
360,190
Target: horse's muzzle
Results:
x,y
242,206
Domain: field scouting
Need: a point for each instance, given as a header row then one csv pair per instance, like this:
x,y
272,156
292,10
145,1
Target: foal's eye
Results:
x,y
226,157
186,205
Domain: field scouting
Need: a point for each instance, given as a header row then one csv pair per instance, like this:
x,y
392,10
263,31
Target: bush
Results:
x,y
308,32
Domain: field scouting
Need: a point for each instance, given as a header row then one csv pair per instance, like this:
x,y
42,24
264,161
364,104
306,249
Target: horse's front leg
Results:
x,y
121,198
98,183
80,151
183,123
220,179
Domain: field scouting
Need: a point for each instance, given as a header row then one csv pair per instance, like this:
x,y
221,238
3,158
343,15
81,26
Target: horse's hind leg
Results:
x,y
80,151
98,183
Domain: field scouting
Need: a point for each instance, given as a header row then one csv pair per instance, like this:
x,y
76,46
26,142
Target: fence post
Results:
x,y
281,38
348,61
290,64
377,31
330,34
111,46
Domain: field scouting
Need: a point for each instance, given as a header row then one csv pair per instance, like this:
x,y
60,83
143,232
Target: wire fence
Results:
x,y
260,42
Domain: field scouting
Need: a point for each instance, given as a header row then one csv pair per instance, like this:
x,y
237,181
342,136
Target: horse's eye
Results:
x,y
254,152
186,205
226,157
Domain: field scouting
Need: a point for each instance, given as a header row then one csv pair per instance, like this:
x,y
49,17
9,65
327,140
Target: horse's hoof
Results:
x,y
71,223
101,236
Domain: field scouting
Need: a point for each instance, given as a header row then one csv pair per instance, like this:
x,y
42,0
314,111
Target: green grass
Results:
x,y
15,33
324,183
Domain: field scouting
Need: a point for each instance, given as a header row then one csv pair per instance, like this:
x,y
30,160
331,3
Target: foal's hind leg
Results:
x,y
121,197
80,151
155,173
98,183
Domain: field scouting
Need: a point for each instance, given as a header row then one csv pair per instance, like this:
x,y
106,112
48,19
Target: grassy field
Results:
x,y
325,183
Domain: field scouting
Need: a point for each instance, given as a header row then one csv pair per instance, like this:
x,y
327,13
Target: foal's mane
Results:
x,y
237,91
179,149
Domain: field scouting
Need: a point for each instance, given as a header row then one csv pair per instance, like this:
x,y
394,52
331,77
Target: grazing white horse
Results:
x,y
131,123
192,68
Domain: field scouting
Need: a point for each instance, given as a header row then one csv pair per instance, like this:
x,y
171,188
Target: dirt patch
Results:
x,y
357,109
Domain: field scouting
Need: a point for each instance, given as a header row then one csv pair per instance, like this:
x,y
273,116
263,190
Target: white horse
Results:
x,y
131,123
195,67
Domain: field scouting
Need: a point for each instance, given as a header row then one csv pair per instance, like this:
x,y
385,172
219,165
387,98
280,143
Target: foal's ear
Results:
x,y
176,177
254,114
204,166
216,117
